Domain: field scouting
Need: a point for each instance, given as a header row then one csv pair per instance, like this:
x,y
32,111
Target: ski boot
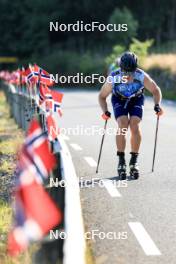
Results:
x,y
121,169
134,169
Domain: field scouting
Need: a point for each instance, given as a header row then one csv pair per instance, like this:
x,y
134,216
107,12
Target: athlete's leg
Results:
x,y
123,123
136,114
135,133
135,145
121,115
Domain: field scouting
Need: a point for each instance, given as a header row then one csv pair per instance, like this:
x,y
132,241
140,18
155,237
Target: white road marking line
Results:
x,y
65,137
144,239
75,146
112,190
90,161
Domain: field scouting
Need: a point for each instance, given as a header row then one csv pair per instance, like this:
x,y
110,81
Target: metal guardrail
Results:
x,y
23,108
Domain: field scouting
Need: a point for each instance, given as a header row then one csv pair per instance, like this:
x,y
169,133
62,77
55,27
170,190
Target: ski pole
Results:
x,y
155,145
101,146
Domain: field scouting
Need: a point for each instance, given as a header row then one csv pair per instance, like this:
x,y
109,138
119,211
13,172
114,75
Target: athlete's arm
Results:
x,y
153,88
105,91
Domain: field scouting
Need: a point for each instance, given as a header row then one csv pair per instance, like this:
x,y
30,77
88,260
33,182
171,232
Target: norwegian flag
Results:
x,y
2,75
36,154
53,129
15,77
45,97
44,93
57,100
35,212
54,105
43,76
30,76
52,99
35,215
5,75
48,105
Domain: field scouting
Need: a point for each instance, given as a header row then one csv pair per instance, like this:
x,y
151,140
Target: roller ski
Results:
x,y
121,169
134,169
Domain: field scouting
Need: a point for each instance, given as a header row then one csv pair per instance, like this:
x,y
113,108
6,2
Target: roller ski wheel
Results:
x,y
121,169
134,172
134,169
122,172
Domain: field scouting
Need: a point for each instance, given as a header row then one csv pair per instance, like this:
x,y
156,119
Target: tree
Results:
x,y
116,53
123,16
140,48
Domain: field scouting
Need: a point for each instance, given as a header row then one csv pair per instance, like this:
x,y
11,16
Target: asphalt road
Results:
x,y
140,214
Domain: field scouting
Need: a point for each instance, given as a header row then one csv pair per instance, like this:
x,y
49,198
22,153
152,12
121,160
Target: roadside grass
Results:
x,y
89,254
162,61
162,68
5,218
11,138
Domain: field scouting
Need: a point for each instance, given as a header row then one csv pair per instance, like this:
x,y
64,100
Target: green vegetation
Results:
x,y
5,218
165,48
26,34
116,52
140,48
26,30
166,80
85,63
123,16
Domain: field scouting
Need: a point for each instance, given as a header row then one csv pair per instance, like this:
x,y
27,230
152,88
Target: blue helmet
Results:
x,y
128,62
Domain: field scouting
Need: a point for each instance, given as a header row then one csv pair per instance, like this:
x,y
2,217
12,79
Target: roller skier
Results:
x,y
128,103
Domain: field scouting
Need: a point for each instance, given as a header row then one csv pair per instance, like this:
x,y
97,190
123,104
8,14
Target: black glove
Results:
x,y
157,108
106,115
